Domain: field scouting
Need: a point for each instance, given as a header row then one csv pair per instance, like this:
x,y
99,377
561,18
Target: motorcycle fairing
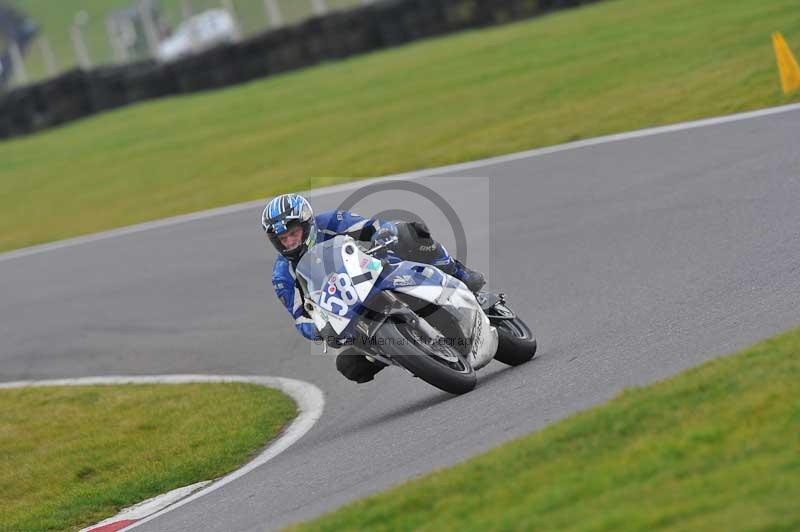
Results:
x,y
339,277
451,295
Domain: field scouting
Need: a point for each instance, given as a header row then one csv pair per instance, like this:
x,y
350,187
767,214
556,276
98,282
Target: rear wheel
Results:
x,y
436,362
515,342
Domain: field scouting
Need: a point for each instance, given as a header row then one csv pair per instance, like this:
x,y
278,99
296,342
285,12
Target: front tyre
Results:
x,y
515,342
437,363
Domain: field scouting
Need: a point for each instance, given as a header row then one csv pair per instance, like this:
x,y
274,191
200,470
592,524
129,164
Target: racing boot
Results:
x,y
472,278
357,367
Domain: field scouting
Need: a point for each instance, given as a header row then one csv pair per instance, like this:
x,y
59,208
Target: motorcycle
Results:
x,y
409,314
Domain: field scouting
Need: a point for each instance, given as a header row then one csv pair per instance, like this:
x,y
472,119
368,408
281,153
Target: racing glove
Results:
x,y
382,237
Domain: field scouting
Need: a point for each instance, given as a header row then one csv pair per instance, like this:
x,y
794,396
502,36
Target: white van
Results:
x,y
197,33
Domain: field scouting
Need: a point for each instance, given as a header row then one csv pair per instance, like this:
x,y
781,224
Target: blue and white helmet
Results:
x,y
284,213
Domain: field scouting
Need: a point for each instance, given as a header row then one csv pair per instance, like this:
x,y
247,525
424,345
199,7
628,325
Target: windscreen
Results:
x,y
320,262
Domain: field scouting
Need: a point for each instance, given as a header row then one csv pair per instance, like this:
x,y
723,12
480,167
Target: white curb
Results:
x,y
310,402
146,508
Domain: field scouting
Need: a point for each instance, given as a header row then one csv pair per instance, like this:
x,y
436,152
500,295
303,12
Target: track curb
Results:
x,y
310,403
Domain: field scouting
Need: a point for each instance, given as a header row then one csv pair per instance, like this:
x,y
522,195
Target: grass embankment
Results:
x,y
72,456
609,67
715,448
55,18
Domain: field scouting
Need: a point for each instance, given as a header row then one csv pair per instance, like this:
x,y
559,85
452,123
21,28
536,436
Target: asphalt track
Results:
x,y
632,260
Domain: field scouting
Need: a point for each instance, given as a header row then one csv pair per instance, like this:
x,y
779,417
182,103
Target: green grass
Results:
x,y
72,456
715,448
609,67
55,17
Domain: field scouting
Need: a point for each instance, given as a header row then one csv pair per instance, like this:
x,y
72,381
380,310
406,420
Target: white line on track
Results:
x,y
310,402
201,215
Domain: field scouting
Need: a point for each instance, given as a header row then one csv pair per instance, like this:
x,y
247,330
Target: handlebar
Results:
x,y
386,243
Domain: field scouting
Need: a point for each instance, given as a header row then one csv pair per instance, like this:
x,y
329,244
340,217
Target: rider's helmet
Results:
x,y
284,213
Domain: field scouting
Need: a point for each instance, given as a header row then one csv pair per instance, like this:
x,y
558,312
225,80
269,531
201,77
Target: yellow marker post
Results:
x,y
787,64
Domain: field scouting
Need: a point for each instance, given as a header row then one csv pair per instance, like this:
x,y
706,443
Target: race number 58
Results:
x,y
348,293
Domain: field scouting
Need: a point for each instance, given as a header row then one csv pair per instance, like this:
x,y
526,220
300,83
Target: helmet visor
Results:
x,y
293,237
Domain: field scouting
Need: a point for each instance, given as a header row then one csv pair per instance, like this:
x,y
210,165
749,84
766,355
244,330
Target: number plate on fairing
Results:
x,y
339,277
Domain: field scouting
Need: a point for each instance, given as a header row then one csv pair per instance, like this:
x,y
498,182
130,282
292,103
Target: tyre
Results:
x,y
404,344
515,342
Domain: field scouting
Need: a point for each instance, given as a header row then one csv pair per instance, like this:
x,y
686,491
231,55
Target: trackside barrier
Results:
x,y
339,34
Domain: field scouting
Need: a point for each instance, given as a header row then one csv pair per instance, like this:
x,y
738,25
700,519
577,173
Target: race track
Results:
x,y
632,259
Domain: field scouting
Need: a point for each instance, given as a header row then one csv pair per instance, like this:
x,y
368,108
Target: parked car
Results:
x,y
202,31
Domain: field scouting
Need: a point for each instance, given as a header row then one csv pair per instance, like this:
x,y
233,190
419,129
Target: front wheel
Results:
x,y
515,342
437,363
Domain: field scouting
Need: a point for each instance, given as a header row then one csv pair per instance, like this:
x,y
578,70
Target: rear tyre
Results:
x,y
515,342
404,344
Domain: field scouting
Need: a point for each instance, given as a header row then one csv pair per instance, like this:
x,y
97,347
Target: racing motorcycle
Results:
x,y
409,314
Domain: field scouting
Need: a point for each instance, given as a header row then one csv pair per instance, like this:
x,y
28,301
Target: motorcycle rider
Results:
x,y
292,229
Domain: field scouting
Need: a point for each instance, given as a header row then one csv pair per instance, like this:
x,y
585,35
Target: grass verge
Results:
x,y
604,68
715,448
72,456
